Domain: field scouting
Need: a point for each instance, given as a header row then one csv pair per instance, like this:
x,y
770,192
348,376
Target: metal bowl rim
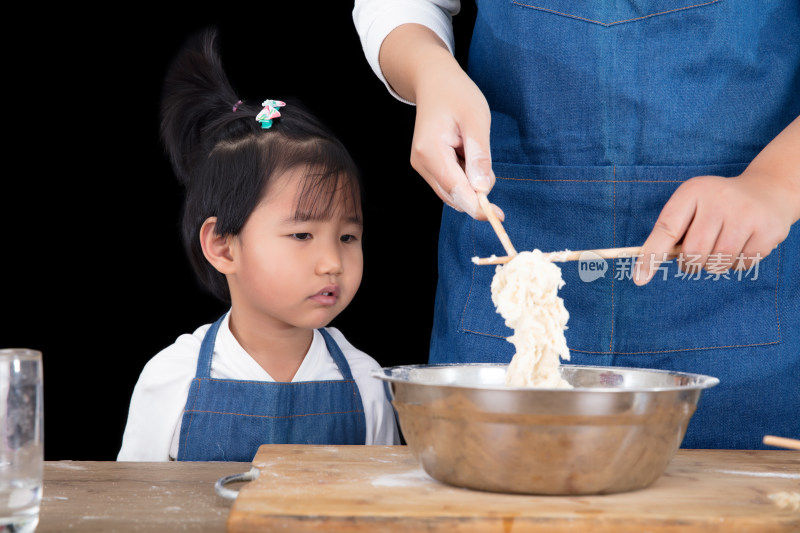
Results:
x,y
704,381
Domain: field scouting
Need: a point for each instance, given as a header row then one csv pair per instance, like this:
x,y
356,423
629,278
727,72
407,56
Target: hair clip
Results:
x,y
269,112
236,105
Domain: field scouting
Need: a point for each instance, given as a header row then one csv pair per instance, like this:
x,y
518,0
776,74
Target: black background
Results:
x,y
93,272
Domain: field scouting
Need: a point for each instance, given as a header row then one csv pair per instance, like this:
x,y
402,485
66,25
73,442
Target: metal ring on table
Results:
x,y
230,494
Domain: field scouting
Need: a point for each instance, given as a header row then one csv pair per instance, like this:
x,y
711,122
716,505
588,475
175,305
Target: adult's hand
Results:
x,y
725,223
450,147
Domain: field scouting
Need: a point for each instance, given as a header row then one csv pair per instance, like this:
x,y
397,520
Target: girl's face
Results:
x,y
295,273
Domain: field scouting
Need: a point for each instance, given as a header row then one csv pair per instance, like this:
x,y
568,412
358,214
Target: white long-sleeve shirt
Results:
x,y
375,19
159,397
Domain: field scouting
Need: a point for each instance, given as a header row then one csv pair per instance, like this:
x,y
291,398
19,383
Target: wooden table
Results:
x,y
114,497
382,488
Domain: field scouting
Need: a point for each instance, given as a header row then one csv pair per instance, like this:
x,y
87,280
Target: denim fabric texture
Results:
x,y
600,110
227,420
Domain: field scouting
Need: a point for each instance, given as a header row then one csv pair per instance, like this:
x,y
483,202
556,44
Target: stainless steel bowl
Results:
x,y
615,431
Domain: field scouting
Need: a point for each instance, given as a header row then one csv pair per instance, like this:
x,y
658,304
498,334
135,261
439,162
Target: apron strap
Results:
x,y
337,354
344,368
207,350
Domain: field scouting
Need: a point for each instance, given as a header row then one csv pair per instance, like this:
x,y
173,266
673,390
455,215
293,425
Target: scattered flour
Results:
x,y
786,500
406,479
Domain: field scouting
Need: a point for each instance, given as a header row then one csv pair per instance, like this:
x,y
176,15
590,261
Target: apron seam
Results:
x,y
613,245
614,23
588,181
680,349
777,284
471,282
485,334
279,417
285,383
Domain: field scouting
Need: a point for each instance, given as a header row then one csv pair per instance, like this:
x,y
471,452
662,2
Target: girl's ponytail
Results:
x,y
197,106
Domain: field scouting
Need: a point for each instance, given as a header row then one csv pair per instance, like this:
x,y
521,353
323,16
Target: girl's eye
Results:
x,y
348,238
301,236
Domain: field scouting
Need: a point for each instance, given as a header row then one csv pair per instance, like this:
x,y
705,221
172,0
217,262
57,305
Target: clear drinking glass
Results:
x,y
21,439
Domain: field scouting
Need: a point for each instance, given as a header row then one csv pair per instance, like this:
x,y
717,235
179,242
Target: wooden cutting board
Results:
x,y
382,488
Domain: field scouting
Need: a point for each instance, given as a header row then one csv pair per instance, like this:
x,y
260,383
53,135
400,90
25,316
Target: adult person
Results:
x,y
619,124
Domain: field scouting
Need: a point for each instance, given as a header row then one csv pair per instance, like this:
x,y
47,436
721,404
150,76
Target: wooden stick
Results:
x,y
782,442
574,255
495,222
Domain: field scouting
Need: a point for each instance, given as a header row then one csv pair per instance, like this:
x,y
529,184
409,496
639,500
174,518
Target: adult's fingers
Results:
x,y
758,246
668,230
729,248
477,160
439,163
700,237
477,154
440,166
465,198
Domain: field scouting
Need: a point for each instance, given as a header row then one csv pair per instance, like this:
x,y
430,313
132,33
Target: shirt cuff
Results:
x,y
374,23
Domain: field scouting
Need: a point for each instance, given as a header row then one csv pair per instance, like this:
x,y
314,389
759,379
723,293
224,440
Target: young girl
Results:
x,y
272,224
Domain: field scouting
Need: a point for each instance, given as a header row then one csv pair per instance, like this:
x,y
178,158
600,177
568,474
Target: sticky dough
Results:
x,y
525,293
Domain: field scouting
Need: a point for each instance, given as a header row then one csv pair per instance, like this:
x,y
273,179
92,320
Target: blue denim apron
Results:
x,y
600,110
227,420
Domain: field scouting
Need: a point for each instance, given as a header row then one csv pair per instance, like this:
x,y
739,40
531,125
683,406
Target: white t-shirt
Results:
x,y
375,19
158,400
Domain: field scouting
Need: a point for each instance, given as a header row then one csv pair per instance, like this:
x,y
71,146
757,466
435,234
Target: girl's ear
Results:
x,y
216,249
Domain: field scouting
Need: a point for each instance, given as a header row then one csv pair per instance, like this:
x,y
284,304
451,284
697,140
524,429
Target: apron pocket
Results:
x,y
557,208
611,13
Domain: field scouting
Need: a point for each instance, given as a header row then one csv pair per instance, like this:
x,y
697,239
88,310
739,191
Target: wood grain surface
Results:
x,y
112,497
383,488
